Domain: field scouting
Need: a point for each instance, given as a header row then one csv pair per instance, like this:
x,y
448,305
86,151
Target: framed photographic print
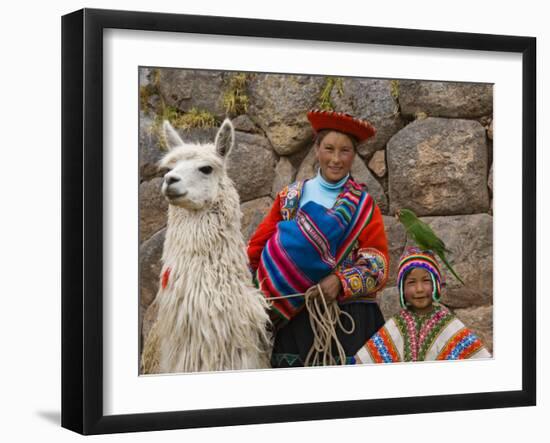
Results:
x,y
187,138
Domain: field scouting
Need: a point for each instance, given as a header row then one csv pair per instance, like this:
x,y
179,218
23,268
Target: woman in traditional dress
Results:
x,y
424,329
324,236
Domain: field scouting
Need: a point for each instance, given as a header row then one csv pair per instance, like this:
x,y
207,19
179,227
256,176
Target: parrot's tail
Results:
x,y
452,270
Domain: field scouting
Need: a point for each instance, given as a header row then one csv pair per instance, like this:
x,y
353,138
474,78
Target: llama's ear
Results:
x,y
225,138
172,137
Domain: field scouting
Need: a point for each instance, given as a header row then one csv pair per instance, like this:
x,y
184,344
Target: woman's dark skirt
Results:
x,y
293,341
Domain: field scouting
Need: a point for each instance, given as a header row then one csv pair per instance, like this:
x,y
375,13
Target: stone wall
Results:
x,y
432,153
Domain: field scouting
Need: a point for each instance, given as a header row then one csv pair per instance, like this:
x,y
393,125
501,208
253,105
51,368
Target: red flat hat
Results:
x,y
341,122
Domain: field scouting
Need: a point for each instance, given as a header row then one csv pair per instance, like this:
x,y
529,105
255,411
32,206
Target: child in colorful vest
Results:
x,y
424,329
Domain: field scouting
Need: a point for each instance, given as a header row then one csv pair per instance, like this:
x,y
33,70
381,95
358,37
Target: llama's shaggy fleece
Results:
x,y
210,315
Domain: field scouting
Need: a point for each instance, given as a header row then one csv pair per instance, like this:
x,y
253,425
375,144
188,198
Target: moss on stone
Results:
x,y
325,101
194,118
235,99
145,93
394,89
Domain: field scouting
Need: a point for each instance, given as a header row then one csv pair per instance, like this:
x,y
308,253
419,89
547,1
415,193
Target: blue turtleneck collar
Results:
x,y
328,185
321,191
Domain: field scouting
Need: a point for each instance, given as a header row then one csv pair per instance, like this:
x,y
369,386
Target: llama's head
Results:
x,y
193,172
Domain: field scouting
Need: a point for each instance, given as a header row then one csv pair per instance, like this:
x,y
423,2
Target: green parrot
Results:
x,y
424,236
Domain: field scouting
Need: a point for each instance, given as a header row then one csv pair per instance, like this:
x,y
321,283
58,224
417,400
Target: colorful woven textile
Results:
x,y
411,337
309,247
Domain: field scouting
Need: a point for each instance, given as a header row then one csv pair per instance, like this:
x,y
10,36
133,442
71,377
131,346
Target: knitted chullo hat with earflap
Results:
x,y
414,257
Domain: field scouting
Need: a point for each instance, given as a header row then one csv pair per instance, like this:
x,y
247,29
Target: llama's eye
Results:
x,y
206,169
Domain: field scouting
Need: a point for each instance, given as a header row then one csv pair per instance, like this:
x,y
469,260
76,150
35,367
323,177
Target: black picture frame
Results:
x,y
82,219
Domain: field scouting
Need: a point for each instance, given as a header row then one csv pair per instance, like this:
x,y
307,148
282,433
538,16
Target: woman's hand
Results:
x,y
331,287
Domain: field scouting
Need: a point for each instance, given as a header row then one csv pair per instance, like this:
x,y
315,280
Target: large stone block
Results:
x,y
254,212
185,89
285,173
439,166
153,208
251,166
279,104
445,99
150,253
372,100
377,163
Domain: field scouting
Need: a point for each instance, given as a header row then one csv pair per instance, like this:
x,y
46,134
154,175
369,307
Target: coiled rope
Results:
x,y
323,318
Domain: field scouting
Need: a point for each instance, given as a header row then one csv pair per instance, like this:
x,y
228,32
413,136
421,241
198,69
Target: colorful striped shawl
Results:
x,y
309,247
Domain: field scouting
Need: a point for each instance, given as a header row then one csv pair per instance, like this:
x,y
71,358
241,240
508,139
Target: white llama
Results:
x,y
210,316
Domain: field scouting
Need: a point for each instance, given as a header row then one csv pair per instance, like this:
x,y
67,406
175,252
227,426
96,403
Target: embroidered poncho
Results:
x,y
407,336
